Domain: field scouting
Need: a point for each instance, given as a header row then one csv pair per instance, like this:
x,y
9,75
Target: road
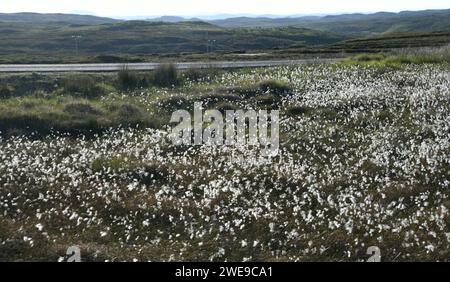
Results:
x,y
152,66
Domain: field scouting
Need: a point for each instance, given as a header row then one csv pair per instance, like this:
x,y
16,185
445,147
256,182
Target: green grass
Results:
x,y
397,58
68,114
116,164
69,103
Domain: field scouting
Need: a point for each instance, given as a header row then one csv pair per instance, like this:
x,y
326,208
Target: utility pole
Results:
x,y
213,45
210,44
76,37
207,43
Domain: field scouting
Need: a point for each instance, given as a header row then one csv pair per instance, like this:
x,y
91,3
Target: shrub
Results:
x,y
84,86
128,79
165,75
6,91
274,87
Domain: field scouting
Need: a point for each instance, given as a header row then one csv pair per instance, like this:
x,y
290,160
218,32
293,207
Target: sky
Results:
x,y
136,8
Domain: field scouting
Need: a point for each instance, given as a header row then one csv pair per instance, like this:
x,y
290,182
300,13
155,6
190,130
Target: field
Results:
x,y
364,161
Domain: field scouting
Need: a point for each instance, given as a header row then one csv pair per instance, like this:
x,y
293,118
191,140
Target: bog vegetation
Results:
x,y
364,161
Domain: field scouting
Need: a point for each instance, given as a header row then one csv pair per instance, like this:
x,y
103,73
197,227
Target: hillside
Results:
x,y
51,18
144,38
354,24
375,44
50,38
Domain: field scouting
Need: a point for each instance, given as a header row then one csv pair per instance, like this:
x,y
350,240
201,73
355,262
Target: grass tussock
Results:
x,y
82,86
166,75
128,79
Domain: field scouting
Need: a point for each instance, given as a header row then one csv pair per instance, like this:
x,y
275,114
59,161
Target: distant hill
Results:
x,y
169,19
145,38
48,18
52,35
263,22
354,24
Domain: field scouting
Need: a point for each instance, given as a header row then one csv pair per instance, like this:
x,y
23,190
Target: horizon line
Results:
x,y
220,16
